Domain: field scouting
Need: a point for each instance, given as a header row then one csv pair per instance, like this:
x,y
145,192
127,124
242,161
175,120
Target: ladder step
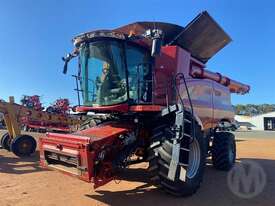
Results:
x,y
182,164
155,167
169,109
185,149
173,108
187,135
162,174
187,120
155,144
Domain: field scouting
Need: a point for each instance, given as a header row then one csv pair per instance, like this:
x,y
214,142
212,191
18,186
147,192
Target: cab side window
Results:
x,y
139,74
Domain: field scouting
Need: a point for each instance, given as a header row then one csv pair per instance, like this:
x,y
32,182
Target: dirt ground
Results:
x,y
23,182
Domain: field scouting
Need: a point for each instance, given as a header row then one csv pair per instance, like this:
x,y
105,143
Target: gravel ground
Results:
x,y
23,182
256,134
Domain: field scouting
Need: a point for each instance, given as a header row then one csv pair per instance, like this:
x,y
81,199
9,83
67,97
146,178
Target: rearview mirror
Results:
x,y
156,46
156,36
66,60
65,68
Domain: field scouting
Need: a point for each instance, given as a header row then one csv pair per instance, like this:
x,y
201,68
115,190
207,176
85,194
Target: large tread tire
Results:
x,y
5,141
1,140
160,155
23,146
223,151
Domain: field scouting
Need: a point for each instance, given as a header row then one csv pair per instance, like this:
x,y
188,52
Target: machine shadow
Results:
x,y
16,165
214,185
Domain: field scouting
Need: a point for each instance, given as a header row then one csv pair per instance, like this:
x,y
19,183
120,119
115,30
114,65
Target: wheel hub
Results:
x,y
194,159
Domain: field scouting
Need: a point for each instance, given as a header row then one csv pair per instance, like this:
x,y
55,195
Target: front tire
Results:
x,y
223,151
160,157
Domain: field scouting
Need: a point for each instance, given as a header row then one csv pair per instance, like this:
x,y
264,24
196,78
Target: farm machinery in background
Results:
x,y
32,102
60,108
30,114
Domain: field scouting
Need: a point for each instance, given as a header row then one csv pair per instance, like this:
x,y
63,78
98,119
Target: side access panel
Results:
x,y
201,92
223,109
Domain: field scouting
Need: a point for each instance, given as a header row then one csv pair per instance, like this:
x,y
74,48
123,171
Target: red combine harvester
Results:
x,y
163,106
59,108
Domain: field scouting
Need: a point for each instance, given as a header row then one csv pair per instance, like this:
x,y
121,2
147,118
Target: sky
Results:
x,y
35,34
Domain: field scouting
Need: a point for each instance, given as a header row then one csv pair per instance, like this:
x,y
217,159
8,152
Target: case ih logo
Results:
x,y
247,179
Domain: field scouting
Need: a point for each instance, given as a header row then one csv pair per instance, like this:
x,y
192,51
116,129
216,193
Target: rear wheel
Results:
x,y
23,145
5,141
160,158
223,151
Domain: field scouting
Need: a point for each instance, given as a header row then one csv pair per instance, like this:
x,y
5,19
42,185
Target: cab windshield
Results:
x,y
108,77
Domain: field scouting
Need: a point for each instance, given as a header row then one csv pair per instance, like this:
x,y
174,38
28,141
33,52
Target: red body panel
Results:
x,y
211,101
104,131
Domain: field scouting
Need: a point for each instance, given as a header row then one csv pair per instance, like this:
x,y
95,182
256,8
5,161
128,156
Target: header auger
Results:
x,y
162,106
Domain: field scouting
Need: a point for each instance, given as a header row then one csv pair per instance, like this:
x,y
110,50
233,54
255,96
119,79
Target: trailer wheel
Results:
x,y
23,145
5,141
223,151
160,157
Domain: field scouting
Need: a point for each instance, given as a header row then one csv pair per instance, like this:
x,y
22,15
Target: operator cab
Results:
x,y
115,72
